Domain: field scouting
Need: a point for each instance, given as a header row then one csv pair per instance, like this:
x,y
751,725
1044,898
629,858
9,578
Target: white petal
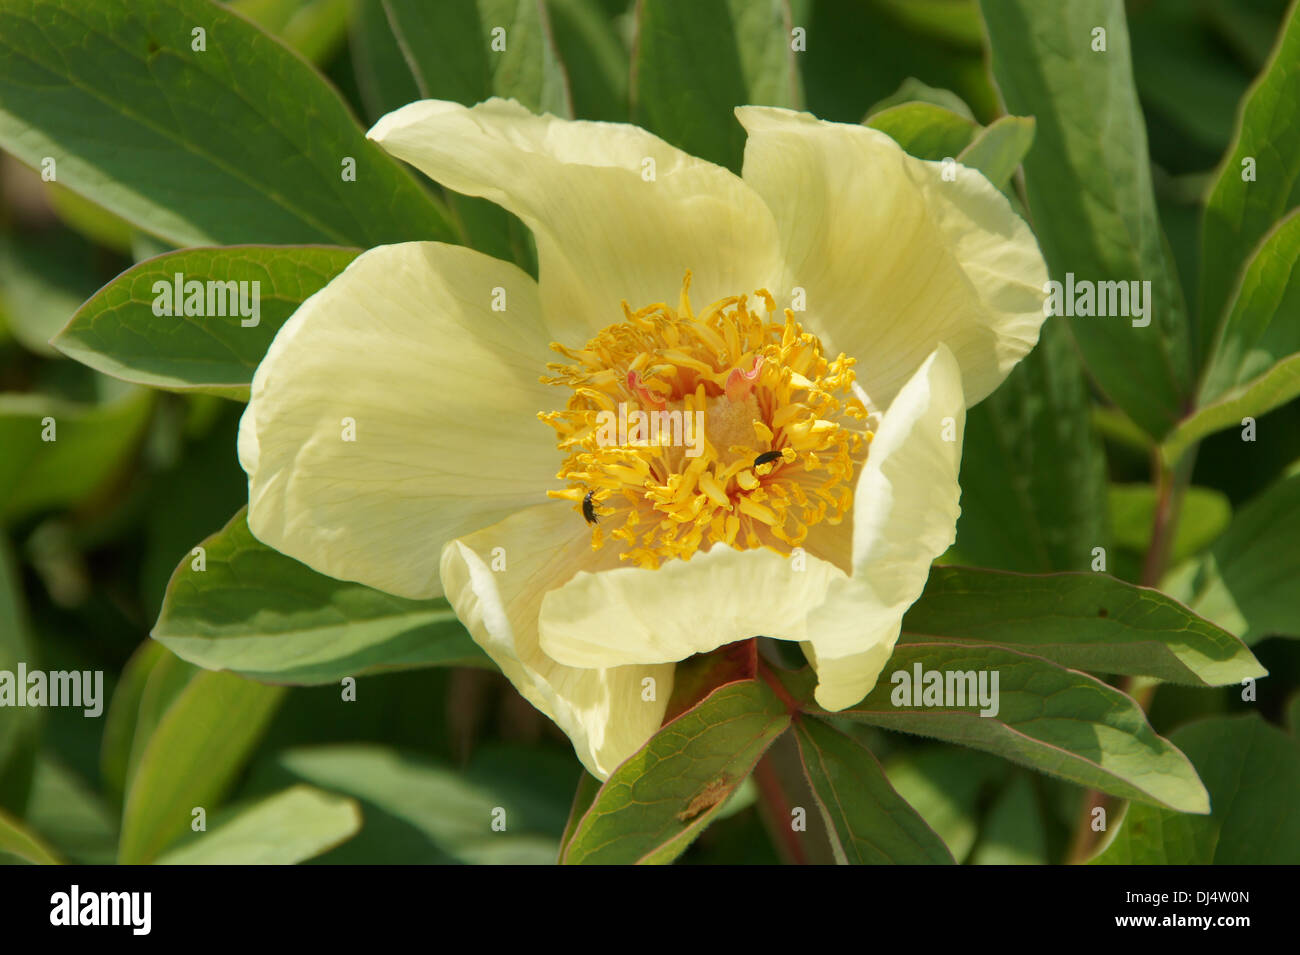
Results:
x,y
617,213
636,615
893,259
604,711
905,512
444,394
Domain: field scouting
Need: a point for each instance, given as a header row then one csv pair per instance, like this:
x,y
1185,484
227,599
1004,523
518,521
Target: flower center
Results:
x,y
687,430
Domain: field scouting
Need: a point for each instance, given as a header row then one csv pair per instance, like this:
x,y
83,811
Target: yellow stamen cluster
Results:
x,y
762,390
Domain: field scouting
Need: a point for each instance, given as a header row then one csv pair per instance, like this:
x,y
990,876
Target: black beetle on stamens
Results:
x,y
589,508
767,457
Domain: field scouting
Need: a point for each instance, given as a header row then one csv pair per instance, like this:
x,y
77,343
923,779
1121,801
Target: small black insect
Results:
x,y
766,457
589,508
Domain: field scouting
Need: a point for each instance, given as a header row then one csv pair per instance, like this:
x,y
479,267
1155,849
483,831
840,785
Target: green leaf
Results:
x,y
1202,516
42,281
1247,582
1087,621
596,60
1275,387
998,150
192,759
69,817
1051,719
122,716
1013,832
1252,771
88,444
18,728
947,786
912,90
925,130
416,811
314,28
259,613
1239,213
383,78
16,842
1255,364
662,797
871,822
285,829
164,682
1089,188
695,62
112,99
1035,466
90,220
452,54
858,53
117,331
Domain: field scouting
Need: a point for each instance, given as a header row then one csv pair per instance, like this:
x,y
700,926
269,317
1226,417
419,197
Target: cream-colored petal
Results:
x,y
637,615
617,213
893,258
496,580
905,511
442,394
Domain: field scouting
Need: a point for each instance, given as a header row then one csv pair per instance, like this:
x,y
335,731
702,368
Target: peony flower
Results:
x,y
827,318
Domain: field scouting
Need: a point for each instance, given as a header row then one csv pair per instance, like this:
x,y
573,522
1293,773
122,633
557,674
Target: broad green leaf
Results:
x,y
871,822
43,278
662,797
948,786
471,51
1014,829
1247,582
383,78
1184,75
1275,387
1202,516
954,21
925,130
417,811
18,728
1035,467
1252,771
912,90
90,219
257,612
998,150
314,28
216,352
858,53
1051,719
111,97
17,842
69,817
1085,620
1089,188
122,716
285,829
695,62
583,797
1255,364
1241,210
596,60
192,759
165,681
57,453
